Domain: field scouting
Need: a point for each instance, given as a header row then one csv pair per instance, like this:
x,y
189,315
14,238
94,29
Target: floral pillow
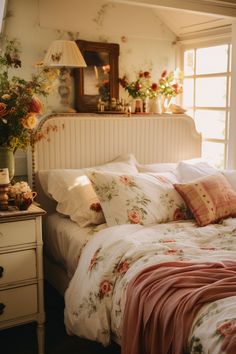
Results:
x,y
137,199
210,198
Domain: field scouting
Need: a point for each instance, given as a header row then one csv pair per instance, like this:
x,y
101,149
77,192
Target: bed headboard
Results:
x,y
83,140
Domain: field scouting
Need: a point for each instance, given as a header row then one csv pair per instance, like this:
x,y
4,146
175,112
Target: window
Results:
x,y
206,95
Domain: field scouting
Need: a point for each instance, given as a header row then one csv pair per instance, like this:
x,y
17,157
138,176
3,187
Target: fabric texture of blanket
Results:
x,y
163,299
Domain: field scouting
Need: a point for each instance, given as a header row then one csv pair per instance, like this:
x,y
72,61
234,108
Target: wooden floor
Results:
x,y
23,340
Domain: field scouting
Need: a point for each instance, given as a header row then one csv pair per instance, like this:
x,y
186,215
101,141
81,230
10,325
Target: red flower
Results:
x,y
146,74
141,74
164,73
154,86
138,86
3,109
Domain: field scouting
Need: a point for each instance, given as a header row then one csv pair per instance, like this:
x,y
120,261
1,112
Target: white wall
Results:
x,y
145,42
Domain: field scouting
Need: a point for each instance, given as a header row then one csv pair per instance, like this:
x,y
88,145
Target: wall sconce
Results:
x,y
64,54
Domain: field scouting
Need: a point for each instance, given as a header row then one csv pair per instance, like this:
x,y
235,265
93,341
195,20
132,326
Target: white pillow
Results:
x,y
230,175
157,167
189,171
74,192
137,199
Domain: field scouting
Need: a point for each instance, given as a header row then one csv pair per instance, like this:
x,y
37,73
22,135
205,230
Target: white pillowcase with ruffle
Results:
x,y
75,195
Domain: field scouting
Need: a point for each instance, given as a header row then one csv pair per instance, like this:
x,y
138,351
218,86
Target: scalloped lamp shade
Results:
x,y
64,54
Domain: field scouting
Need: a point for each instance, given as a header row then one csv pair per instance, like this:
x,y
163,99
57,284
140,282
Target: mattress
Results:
x,y
64,239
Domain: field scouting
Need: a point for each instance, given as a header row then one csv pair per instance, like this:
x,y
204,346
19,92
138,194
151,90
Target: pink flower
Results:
x,y
105,288
36,105
227,328
134,217
93,261
122,267
125,179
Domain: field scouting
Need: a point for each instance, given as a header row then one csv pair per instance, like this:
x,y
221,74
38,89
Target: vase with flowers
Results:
x,y
141,90
160,92
169,86
19,104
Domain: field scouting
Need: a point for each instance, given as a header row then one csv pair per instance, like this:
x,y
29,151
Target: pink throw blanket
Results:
x,y
163,300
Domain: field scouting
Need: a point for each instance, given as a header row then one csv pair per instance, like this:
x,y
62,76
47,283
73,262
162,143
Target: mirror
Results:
x,y
100,79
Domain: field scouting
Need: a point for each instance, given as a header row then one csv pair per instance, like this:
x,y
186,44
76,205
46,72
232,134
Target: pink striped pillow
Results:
x,y
210,198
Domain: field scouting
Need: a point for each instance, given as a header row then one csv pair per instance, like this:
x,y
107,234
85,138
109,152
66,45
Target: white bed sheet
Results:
x,y
64,240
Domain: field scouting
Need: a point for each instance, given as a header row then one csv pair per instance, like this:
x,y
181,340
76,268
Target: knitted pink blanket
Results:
x,y
163,300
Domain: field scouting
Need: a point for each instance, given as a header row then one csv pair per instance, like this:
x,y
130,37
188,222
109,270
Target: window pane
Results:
x,y
188,90
210,123
211,92
214,152
189,62
212,59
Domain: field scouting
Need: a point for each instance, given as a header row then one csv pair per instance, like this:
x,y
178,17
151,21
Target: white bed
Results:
x,y
151,232
83,140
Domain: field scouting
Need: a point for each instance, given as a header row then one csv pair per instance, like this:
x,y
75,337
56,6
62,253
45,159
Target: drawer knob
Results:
x,y
2,307
1,271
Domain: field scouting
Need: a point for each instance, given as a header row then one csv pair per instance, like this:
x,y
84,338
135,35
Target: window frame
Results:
x,y
205,43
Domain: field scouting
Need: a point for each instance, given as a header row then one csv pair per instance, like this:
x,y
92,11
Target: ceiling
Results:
x,y
184,23
188,18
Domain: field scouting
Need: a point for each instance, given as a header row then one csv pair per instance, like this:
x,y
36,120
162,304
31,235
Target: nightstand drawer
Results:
x,y
18,302
17,232
17,266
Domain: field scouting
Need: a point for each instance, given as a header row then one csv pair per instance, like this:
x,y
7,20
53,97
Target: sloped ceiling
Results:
x,y
191,17
184,23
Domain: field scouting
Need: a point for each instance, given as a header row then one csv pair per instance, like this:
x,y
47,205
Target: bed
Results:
x,y
138,231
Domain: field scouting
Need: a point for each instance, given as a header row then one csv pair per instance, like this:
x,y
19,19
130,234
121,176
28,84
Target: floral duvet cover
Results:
x,y
95,298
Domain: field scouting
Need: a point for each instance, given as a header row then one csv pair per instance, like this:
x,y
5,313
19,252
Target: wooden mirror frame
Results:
x,y
88,103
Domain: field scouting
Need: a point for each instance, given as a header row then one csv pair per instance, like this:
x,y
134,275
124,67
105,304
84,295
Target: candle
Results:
x,y
4,176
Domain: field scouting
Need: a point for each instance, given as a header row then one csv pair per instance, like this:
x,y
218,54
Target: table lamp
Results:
x,y
64,54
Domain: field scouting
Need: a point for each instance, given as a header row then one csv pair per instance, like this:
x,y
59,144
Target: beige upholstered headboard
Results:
x,y
82,140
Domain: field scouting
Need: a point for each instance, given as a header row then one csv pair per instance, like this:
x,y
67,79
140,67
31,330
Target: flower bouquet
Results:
x,y
21,194
19,102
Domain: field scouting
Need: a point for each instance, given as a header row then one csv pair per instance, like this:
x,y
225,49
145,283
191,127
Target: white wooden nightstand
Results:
x,y
21,270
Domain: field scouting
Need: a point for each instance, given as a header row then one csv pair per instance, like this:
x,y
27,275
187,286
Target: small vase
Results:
x,y
138,105
156,106
166,102
7,160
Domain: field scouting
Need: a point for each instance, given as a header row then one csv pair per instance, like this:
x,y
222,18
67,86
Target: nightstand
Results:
x,y
21,270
